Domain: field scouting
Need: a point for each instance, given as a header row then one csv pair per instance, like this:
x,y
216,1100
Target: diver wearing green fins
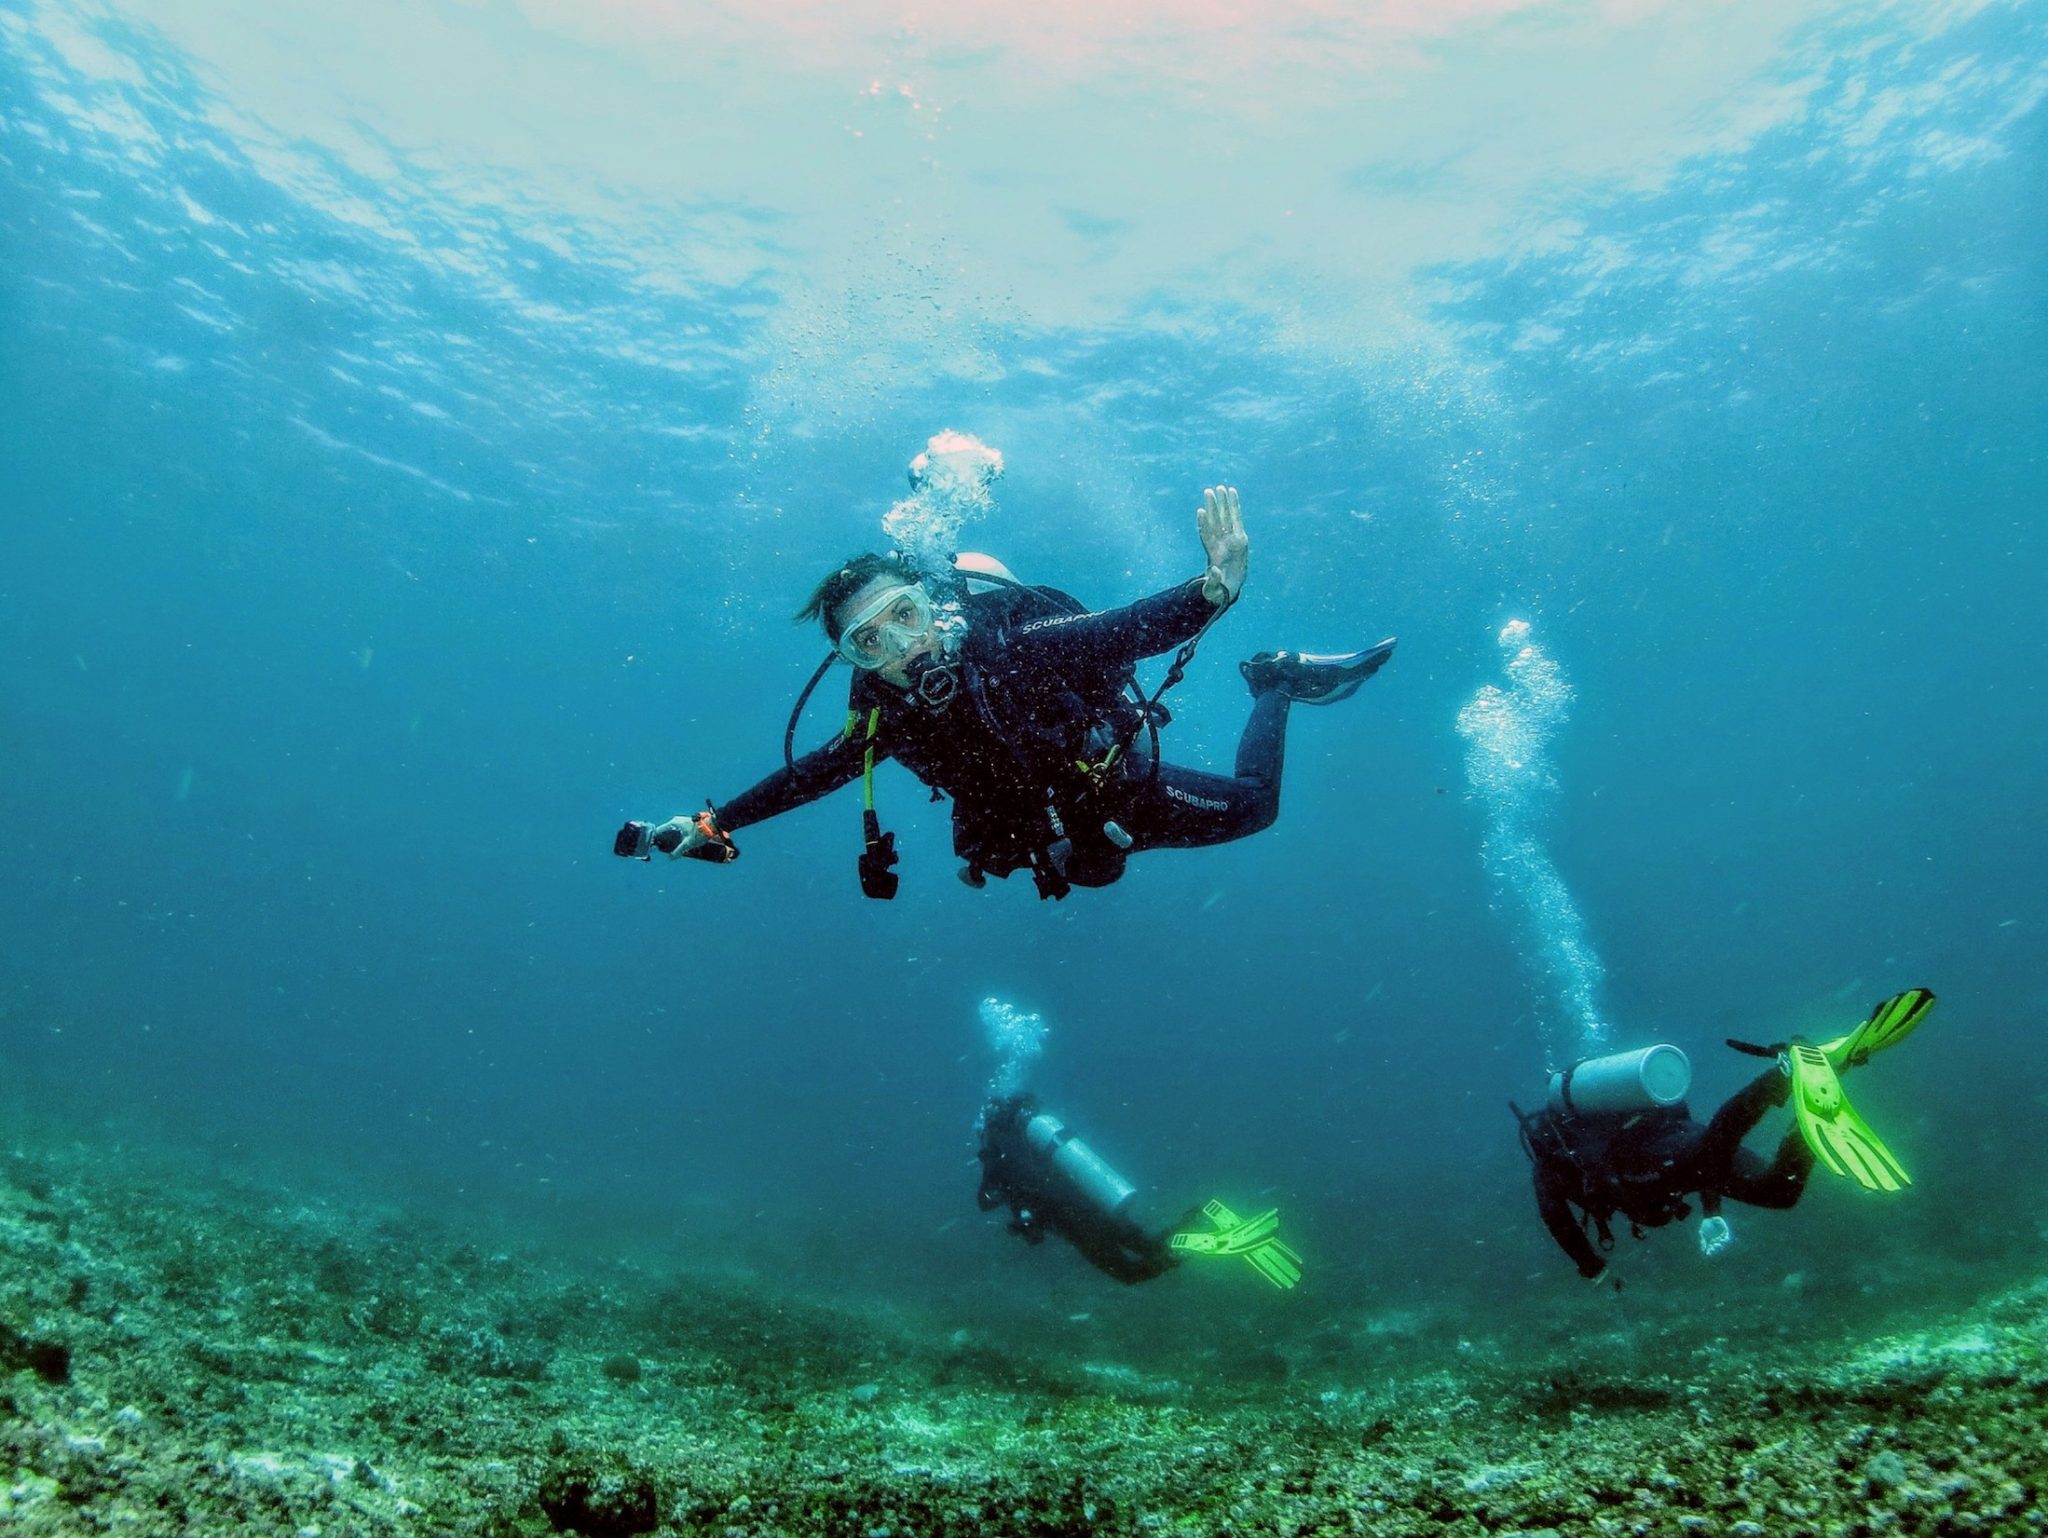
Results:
x,y
1024,708
1052,1182
1615,1137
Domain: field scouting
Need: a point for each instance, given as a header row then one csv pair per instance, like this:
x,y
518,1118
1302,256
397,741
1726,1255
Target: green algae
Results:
x,y
237,1360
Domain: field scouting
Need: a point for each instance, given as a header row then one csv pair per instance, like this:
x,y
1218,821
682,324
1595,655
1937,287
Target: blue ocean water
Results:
x,y
421,422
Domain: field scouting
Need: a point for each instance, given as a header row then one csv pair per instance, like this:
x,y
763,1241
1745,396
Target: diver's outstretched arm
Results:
x,y
817,773
1114,639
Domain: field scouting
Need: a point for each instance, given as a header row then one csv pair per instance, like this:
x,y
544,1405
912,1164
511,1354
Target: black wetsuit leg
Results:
x,y
1724,1165
1121,1253
1778,1184
1187,809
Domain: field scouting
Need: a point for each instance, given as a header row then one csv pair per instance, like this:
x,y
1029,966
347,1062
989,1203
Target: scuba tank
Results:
x,y
975,567
1081,1166
1648,1079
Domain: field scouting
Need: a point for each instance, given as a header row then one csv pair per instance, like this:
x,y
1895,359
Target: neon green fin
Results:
x,y
1839,1138
1249,1234
1211,1243
1889,1024
1255,1240
1278,1262
1229,1241
1219,1214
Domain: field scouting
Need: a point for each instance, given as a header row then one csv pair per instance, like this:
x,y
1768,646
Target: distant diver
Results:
x,y
1052,1182
1616,1138
1024,708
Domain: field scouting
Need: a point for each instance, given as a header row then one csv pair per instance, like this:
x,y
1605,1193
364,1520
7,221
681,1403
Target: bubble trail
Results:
x,y
1016,1037
950,483
1508,730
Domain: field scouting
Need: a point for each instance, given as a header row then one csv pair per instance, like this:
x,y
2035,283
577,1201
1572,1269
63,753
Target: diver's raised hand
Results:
x,y
1226,544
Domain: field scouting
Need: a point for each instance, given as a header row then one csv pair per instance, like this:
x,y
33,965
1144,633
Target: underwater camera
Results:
x,y
636,840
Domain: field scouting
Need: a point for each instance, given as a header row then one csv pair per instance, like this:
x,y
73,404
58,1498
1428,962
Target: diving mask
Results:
x,y
889,629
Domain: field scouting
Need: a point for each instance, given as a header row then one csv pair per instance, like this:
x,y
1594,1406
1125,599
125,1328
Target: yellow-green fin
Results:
x,y
1255,1240
1839,1137
1889,1024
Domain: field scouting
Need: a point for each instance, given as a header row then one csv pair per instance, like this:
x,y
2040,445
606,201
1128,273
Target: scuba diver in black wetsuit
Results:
x,y
1591,1165
1052,1182
1023,708
1616,1137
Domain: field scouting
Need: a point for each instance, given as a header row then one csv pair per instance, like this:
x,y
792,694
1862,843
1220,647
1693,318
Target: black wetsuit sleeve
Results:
x,y
817,773
1556,1212
1113,639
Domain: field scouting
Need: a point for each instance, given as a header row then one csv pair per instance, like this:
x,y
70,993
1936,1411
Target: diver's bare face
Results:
x,y
895,669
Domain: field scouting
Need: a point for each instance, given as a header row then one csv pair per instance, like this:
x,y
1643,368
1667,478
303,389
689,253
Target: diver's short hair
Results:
x,y
854,573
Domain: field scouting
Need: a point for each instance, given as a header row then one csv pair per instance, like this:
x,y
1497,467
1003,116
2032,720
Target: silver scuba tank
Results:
x,y
1643,1080
1100,1185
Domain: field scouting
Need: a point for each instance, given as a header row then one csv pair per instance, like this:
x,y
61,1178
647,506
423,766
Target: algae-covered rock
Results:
x,y
49,1360
600,1495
